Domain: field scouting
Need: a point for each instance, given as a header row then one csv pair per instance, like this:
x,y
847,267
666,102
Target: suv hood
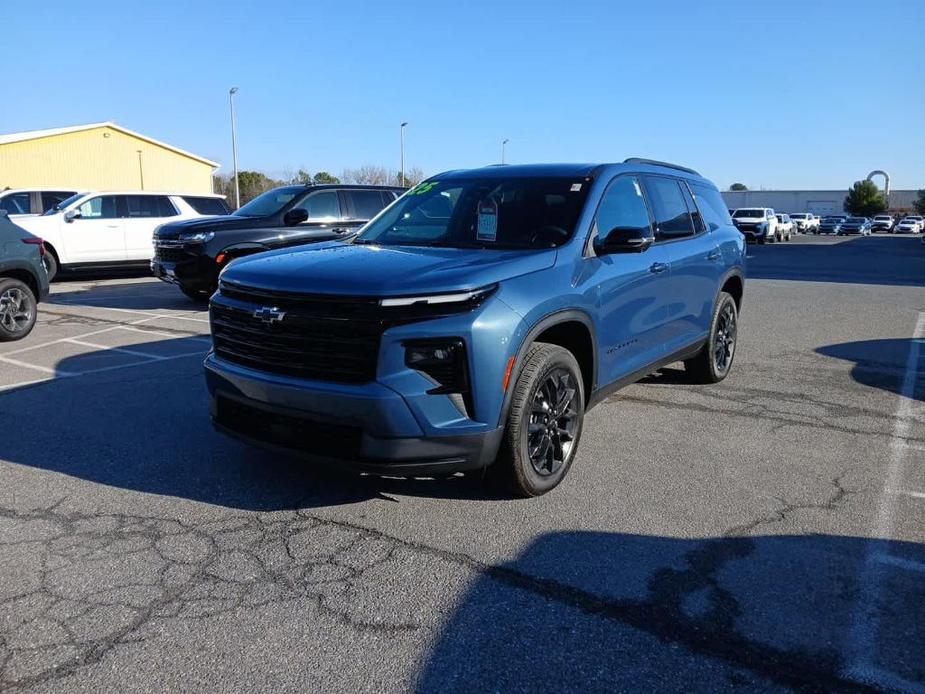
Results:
x,y
370,270
172,230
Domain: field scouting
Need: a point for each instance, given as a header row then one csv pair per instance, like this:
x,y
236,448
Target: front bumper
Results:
x,y
368,427
195,272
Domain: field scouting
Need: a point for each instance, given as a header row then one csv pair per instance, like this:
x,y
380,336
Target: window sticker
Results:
x,y
422,188
575,187
488,221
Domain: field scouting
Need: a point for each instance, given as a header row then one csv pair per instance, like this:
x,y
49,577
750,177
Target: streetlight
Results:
x,y
402,133
503,143
234,149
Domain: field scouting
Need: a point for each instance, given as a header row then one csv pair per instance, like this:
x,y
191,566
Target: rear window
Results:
x,y
366,203
714,210
16,203
215,206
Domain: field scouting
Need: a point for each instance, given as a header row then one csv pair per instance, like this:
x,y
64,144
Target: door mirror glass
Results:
x,y
623,240
71,215
296,216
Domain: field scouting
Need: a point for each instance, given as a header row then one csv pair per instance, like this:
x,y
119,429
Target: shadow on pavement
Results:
x,y
591,611
139,296
146,427
880,363
860,260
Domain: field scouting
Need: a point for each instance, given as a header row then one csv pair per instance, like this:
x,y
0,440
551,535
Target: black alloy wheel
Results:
x,y
553,422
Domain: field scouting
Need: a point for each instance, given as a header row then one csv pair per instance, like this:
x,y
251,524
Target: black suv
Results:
x,y
23,280
193,252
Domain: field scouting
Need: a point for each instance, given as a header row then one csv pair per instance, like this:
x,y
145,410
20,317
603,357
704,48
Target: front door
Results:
x,y
97,233
631,287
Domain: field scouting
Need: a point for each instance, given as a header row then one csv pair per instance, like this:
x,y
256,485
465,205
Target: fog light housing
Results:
x,y
443,361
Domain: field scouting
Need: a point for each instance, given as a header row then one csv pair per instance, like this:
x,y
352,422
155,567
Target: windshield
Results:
x,y
748,213
798,216
54,209
482,213
270,202
832,219
855,220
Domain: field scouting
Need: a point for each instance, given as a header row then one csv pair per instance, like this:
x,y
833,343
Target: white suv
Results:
x,y
758,224
110,229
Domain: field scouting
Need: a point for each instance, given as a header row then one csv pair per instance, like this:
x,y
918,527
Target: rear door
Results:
x,y
144,213
695,259
97,234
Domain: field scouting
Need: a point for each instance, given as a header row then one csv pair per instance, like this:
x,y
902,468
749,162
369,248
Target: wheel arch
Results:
x,y
24,275
571,329
734,283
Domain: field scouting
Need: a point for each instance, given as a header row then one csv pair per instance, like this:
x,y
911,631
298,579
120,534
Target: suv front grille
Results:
x,y
322,337
170,254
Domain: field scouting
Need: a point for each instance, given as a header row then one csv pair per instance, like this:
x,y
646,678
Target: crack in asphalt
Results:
x,y
103,580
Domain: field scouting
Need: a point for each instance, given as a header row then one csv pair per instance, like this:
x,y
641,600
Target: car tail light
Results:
x,y
35,241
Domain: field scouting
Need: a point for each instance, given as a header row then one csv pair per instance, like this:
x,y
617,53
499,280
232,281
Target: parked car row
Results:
x,y
763,225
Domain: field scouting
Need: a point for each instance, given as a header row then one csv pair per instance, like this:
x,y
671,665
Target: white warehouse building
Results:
x,y
819,202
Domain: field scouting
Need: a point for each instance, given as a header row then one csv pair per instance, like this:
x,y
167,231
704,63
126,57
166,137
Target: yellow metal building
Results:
x,y
99,156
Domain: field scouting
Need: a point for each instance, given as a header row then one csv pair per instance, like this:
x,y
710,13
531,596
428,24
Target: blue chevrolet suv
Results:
x,y
474,321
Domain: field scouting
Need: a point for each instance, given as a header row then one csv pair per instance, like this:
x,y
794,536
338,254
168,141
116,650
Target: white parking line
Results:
x,y
862,638
20,384
126,310
906,492
36,367
120,350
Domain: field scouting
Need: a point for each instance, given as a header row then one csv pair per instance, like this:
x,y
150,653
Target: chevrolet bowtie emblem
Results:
x,y
269,315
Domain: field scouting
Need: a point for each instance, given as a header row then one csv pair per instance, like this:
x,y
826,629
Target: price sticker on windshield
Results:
x,y
488,221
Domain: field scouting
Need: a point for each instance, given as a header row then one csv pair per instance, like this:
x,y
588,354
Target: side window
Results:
x,y
102,207
207,205
711,206
17,203
699,225
142,206
321,205
672,219
165,207
52,198
366,203
623,207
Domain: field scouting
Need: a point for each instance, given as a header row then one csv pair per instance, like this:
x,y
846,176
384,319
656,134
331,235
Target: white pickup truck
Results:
x,y
805,222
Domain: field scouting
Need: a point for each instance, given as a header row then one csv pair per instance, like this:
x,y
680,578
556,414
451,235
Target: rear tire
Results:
x,y
544,423
713,363
17,310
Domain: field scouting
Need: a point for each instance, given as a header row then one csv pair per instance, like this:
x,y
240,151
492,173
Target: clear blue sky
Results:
x,y
774,93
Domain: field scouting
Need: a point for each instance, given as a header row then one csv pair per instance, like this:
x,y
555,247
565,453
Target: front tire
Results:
x,y
198,295
17,310
544,423
51,265
713,362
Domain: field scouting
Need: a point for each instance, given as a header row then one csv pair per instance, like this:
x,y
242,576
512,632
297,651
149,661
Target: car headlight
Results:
x,y
475,296
198,237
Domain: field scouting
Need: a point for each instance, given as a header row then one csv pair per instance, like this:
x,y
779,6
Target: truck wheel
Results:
x,y
51,264
712,363
544,423
200,296
17,310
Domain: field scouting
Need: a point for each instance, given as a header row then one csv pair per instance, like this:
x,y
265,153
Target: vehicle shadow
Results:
x,y
138,296
145,426
885,260
880,363
605,612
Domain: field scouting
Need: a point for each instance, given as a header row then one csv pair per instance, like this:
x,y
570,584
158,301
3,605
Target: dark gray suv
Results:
x,y
23,280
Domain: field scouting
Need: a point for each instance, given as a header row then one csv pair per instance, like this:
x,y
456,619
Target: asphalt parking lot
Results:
x,y
764,533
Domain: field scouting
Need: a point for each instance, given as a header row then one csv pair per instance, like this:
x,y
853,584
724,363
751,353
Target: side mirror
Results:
x,y
71,215
296,216
623,240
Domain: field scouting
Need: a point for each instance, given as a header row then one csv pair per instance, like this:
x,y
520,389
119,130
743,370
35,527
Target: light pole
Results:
x,y
234,149
141,170
503,143
402,135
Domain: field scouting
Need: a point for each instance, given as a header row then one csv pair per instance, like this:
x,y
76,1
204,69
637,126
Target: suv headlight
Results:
x,y
198,237
474,296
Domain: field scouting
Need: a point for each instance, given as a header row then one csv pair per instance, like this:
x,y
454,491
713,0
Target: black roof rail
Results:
x,y
654,162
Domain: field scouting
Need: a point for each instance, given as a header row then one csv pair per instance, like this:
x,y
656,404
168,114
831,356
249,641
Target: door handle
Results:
x,y
658,268
714,255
